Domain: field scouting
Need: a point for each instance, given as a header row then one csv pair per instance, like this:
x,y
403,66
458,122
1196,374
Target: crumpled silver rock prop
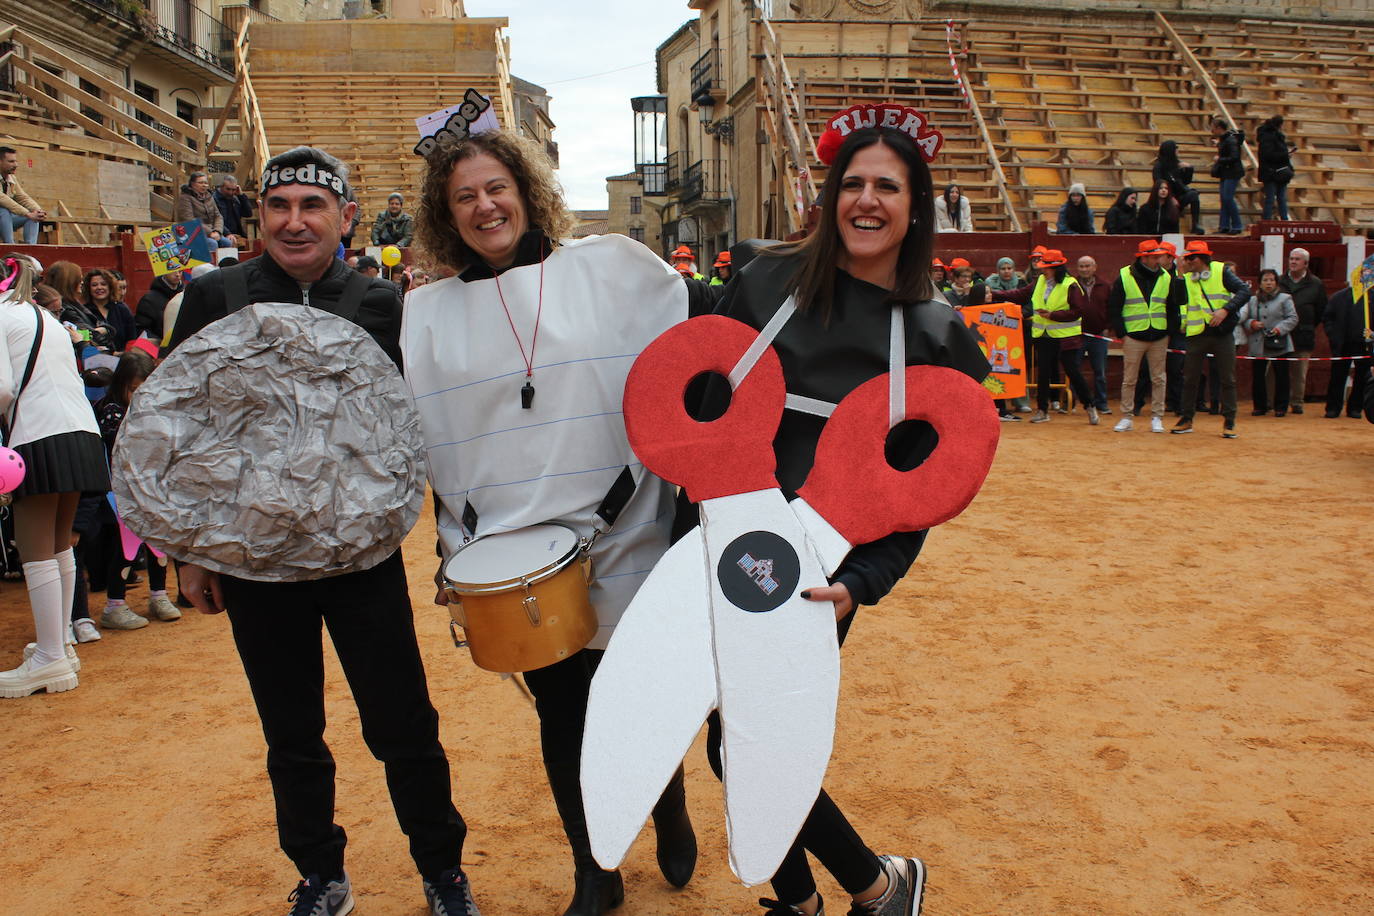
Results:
x,y
278,444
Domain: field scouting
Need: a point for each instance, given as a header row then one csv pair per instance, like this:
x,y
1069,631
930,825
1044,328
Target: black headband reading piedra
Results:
x,y
309,173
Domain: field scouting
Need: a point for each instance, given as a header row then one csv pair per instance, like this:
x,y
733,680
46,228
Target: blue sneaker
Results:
x,y
313,897
451,895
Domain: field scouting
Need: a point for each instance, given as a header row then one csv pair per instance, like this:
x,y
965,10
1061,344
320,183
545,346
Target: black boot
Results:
x,y
677,842
595,891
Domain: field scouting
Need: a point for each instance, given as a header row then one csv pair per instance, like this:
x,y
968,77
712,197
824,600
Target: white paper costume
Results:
x,y
604,299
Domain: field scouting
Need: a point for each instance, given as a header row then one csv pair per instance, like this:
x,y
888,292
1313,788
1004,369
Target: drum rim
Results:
x,y
539,575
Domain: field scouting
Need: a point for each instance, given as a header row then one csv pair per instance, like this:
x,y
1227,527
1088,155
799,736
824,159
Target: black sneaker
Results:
x,y
1181,427
313,897
1228,430
451,895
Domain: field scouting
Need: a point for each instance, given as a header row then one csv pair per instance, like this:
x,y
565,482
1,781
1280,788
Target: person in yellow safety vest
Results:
x,y
1056,304
722,267
685,262
1143,309
1215,297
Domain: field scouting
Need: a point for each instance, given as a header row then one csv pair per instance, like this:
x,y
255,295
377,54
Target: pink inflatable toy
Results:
x,y
11,470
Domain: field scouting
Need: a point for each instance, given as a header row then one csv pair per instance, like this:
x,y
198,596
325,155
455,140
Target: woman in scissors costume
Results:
x,y
518,367
863,271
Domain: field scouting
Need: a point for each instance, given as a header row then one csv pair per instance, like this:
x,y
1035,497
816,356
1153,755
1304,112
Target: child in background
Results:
x,y
134,366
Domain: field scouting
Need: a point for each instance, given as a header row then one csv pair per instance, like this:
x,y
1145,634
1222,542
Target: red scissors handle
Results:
x,y
863,497
731,454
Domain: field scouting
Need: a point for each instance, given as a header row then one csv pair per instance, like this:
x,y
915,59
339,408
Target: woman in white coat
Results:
x,y
952,213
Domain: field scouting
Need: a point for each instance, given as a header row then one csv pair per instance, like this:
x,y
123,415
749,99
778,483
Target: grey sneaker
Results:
x,y
907,883
313,897
162,608
1092,415
450,895
71,655
121,617
1040,417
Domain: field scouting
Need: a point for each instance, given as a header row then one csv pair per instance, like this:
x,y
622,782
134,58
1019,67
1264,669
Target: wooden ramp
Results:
x,y
355,88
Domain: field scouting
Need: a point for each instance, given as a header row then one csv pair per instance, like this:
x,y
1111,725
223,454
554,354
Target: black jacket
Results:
x,y
1121,216
148,318
235,209
1309,298
379,315
1155,220
1273,153
1344,323
827,361
1229,163
1168,168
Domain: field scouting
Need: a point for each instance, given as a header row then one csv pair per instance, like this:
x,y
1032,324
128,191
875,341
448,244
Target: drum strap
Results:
x,y
615,501
617,497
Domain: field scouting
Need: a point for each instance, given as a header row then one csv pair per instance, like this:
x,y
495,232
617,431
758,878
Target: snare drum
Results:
x,y
522,597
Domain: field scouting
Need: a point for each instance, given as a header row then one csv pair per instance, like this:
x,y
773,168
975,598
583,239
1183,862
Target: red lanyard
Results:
x,y
527,391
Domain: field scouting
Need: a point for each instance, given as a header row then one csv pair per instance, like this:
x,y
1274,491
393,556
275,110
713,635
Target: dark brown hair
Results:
x,y
134,365
814,283
109,284
534,178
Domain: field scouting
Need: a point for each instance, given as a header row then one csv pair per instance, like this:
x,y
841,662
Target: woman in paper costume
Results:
x,y
869,255
518,368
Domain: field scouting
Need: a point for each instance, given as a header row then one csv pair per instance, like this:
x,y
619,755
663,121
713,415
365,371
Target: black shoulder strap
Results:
x,y
352,299
235,288
28,369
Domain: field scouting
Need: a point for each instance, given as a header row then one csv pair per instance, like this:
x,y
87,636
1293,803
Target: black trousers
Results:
x,y
1223,348
1335,389
560,698
277,629
826,833
1049,353
1259,389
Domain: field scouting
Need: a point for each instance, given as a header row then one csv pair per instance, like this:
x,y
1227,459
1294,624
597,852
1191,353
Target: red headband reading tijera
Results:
x,y
897,117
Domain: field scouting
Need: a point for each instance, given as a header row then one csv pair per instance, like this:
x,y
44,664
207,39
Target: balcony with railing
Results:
x,y
706,79
704,181
181,32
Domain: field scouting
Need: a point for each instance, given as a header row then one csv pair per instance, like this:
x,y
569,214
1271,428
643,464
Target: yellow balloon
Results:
x,y
391,256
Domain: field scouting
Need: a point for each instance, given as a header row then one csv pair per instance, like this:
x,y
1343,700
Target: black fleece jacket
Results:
x,y
379,315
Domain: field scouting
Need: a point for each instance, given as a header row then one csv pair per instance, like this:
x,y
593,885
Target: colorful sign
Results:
x,y
997,328
1361,285
177,248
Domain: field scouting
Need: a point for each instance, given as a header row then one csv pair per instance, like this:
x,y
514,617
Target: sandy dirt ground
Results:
x,y
1137,676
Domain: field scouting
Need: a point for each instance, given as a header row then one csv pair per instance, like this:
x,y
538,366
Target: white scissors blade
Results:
x,y
653,690
777,660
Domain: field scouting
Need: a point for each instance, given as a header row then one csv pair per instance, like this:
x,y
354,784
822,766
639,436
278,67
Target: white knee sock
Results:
x,y
66,564
44,580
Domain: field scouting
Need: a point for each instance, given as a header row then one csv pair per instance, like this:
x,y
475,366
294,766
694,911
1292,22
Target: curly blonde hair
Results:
x,y
439,242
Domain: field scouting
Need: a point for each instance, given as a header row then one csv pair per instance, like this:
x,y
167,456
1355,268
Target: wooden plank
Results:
x,y
182,128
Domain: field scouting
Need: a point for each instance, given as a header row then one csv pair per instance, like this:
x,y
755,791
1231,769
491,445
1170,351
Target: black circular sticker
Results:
x,y
759,571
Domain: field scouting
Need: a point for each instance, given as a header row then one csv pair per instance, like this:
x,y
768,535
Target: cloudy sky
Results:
x,y
592,58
